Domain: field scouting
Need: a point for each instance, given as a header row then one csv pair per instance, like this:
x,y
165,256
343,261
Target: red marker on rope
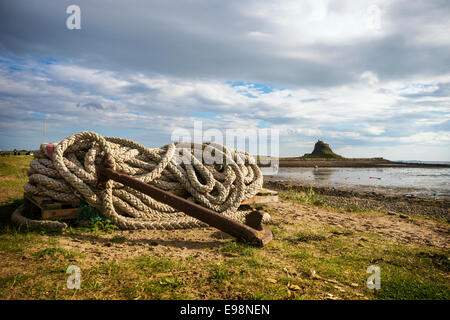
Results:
x,y
50,149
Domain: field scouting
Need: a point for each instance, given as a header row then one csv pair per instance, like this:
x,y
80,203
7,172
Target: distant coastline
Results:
x,y
323,156
350,162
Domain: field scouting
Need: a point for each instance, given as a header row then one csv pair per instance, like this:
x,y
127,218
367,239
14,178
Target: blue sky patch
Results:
x,y
249,89
38,115
263,124
206,115
15,68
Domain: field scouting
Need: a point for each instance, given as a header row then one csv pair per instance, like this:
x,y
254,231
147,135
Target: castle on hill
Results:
x,y
322,150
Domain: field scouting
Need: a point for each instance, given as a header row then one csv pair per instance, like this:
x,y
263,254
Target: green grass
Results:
x,y
409,288
117,239
220,272
307,236
310,197
152,264
15,165
352,208
13,175
102,224
237,248
339,259
54,252
13,240
323,154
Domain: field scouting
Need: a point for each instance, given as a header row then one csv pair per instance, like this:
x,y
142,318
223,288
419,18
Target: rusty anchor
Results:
x,y
253,231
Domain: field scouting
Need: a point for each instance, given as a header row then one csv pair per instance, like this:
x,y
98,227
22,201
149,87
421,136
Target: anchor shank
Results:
x,y
234,228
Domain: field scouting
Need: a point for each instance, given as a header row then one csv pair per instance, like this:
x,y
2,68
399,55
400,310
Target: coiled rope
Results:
x,y
67,172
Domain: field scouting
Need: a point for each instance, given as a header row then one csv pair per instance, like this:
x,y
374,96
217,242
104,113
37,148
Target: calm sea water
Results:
x,y
417,181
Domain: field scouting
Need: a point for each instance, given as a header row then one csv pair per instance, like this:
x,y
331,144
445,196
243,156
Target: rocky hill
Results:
x,y
322,150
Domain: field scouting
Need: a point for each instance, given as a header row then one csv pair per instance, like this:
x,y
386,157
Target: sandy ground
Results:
x,y
405,230
193,242
376,201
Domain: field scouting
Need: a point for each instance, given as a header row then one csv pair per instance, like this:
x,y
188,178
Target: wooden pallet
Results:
x,y
263,196
54,210
51,209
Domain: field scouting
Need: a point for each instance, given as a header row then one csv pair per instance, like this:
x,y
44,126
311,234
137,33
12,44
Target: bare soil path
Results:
x,y
421,231
193,242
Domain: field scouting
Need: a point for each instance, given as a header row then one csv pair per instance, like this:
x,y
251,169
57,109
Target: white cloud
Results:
x,y
418,88
301,22
370,77
374,130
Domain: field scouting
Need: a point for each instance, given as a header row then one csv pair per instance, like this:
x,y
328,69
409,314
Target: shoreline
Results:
x,y
423,206
351,163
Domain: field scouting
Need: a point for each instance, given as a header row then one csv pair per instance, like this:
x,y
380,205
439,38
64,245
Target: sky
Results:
x,y
371,78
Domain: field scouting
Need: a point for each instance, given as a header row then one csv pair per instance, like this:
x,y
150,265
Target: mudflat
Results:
x,y
353,163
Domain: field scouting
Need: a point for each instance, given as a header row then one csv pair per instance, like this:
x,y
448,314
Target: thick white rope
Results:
x,y
68,173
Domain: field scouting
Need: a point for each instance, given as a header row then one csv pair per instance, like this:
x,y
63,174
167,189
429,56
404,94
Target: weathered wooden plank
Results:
x,y
53,210
47,203
260,200
267,192
263,196
32,199
60,214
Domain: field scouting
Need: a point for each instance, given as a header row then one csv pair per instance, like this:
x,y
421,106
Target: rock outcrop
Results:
x,y
322,150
